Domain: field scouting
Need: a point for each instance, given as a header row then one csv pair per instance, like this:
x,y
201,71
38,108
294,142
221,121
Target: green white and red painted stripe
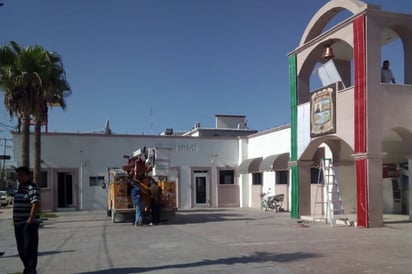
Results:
x,y
359,125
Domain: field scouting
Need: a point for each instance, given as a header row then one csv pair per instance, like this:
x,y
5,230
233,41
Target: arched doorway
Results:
x,y
397,146
312,196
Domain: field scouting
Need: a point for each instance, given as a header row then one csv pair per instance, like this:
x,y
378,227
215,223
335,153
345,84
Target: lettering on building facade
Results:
x,y
181,147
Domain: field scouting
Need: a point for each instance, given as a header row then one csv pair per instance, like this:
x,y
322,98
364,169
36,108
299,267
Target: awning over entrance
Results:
x,y
250,165
275,162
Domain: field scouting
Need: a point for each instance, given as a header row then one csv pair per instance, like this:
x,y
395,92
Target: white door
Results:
x,y
201,189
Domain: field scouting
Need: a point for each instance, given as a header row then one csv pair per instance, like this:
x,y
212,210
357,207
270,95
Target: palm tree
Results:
x,y
19,79
52,92
31,78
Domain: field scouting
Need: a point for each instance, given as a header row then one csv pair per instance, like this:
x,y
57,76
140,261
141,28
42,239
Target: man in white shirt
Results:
x,y
386,73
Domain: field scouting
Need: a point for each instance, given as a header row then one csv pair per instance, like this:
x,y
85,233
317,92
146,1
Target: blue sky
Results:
x,y
148,65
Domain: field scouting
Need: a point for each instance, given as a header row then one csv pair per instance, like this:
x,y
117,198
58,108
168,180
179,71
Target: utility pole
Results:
x,y
4,157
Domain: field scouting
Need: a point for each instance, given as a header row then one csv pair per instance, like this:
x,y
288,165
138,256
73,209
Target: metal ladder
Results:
x,y
331,206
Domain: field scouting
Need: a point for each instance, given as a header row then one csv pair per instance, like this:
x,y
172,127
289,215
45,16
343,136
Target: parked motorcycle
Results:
x,y
273,202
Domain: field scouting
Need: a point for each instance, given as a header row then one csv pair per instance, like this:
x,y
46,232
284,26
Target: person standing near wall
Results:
x,y
155,204
386,73
26,219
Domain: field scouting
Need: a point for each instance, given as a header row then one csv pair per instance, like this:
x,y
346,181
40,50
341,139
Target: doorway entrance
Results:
x,y
65,190
201,188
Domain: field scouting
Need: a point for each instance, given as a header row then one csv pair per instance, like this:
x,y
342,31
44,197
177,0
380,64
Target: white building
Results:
x,y
204,163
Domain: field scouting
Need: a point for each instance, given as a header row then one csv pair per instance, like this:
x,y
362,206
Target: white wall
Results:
x,y
270,142
243,179
93,154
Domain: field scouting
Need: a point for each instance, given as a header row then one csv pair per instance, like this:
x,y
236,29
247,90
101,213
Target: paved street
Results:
x,y
210,241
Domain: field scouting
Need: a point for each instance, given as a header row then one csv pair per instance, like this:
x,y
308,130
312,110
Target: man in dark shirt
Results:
x,y
26,219
155,203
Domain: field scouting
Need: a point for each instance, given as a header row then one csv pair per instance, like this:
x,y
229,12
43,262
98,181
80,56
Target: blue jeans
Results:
x,y
138,206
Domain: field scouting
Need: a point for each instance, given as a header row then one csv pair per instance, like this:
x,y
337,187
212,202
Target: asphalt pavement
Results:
x,y
243,241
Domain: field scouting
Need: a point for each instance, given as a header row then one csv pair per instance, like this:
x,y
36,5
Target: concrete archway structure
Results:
x,y
363,108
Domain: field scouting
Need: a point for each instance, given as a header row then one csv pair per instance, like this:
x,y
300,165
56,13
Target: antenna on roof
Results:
x,y
151,119
107,129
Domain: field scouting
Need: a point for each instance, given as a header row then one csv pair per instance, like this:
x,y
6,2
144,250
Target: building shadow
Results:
x,y
195,218
257,257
